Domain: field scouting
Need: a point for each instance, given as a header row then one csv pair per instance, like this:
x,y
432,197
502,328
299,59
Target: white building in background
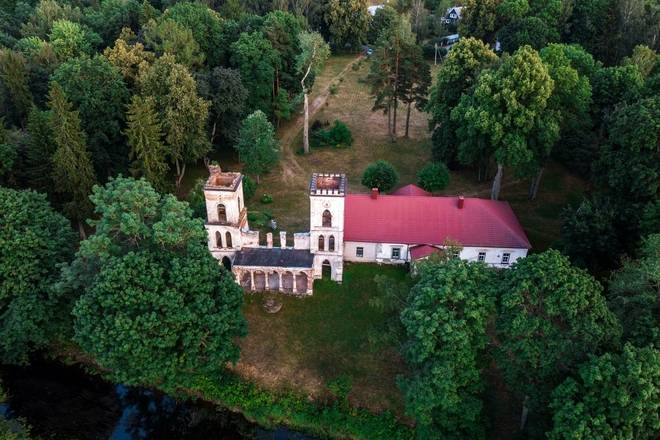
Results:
x,y
403,227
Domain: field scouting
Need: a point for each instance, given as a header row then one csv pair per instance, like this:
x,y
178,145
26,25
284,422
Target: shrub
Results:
x,y
266,198
339,135
334,88
381,175
433,177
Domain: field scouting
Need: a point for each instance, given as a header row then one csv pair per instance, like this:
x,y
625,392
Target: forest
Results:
x,y
111,109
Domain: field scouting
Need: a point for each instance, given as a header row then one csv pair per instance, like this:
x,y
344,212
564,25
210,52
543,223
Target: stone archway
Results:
x,y
246,280
326,270
226,262
301,282
287,282
274,281
259,281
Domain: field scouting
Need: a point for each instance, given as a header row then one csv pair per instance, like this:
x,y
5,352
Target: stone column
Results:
x,y
280,288
267,276
269,240
252,280
310,281
294,284
282,239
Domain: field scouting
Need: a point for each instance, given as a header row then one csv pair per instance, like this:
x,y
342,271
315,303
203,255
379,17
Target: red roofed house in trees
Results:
x,y
406,226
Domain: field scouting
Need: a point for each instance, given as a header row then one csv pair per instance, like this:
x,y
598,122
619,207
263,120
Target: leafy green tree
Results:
x,y
255,58
614,396
456,75
34,241
72,166
530,31
45,14
348,23
145,138
644,58
509,123
97,90
111,16
14,76
257,146
590,233
634,295
128,55
445,324
282,30
314,52
380,174
552,317
433,177
228,96
205,25
613,86
40,148
480,19
381,21
415,80
69,40
182,112
585,26
169,37
147,271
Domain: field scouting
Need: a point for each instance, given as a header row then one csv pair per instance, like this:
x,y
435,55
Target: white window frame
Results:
x,y
398,253
359,251
481,256
506,257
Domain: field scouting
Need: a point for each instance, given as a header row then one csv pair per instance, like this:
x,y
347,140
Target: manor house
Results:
x,y
405,226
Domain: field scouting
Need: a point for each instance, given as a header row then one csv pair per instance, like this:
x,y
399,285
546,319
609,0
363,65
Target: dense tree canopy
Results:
x,y
155,304
34,241
257,147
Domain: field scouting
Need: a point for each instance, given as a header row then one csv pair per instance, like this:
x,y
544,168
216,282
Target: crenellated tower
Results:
x,y
327,193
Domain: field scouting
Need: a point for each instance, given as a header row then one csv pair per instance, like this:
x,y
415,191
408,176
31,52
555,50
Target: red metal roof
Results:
x,y
432,220
422,251
410,190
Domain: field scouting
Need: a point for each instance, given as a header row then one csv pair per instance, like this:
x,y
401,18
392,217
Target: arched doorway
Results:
x,y
259,281
246,281
326,270
226,262
287,282
301,282
274,281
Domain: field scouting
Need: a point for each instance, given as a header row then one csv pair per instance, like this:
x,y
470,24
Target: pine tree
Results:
x,y
145,138
72,165
13,73
40,151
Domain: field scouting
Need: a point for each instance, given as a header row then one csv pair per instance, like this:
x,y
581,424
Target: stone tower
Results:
x,y
225,213
327,193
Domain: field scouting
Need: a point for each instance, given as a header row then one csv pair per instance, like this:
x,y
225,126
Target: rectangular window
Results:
x,y
481,257
396,253
359,251
506,256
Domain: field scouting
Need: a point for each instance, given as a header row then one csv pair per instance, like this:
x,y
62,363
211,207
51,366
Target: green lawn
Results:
x,y
313,340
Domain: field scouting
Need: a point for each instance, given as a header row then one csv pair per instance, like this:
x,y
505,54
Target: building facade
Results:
x,y
404,227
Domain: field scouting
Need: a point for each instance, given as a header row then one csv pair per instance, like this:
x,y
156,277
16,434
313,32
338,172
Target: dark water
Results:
x,y
64,403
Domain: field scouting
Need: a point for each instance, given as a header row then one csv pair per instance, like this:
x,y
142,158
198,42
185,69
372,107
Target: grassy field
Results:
x,y
314,340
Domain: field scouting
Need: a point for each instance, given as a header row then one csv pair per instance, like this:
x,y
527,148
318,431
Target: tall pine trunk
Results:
x,y
306,124
408,118
81,230
497,183
389,121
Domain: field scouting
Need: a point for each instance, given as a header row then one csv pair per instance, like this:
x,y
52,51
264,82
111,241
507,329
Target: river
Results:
x,y
65,403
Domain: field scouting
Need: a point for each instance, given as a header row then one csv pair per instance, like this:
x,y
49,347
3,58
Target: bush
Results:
x,y
266,198
381,175
249,188
338,136
334,88
433,177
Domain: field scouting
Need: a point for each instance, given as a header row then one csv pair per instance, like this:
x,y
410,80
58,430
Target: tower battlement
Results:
x,y
327,184
222,181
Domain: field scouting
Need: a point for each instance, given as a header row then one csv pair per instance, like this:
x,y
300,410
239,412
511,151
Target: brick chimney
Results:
x,y
374,193
461,202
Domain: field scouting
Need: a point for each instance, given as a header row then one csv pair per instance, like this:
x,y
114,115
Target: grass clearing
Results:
x,y
316,339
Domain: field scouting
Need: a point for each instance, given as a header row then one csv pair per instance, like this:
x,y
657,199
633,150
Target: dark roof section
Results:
x,y
274,257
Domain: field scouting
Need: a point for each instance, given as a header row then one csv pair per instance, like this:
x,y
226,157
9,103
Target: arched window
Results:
x,y
222,213
228,239
321,243
327,219
331,243
218,239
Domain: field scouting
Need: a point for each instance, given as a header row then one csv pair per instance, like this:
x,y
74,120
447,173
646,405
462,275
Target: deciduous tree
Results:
x,y
34,241
257,147
380,174
155,305
348,23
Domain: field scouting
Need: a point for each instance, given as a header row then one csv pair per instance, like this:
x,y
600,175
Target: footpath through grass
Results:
x,y
312,341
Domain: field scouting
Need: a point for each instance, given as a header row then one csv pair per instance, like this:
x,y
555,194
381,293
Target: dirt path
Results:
x,y
288,161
